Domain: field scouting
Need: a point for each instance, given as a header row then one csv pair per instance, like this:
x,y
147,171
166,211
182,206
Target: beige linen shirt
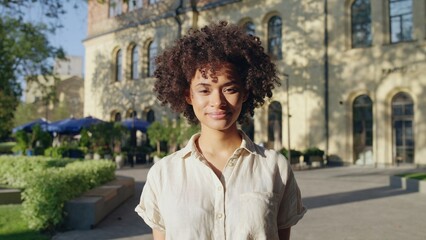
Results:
x,y
256,195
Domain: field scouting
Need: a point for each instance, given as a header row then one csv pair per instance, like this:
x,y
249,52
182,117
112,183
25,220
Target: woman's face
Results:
x,y
217,101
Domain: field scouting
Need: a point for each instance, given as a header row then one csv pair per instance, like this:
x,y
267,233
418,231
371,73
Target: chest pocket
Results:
x,y
258,215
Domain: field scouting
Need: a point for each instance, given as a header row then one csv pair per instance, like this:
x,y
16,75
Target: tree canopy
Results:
x,y
25,51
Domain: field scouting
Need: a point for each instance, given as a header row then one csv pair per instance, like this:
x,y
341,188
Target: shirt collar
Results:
x,y
191,148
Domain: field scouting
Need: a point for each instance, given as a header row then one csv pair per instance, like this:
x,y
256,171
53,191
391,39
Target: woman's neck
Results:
x,y
213,141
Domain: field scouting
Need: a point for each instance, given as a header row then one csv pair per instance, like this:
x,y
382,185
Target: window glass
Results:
x,y
275,122
135,61
403,128
275,37
250,28
114,7
135,4
152,54
401,20
117,117
119,66
361,23
363,122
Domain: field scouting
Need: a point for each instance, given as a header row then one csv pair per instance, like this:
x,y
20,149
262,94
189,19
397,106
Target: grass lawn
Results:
x,y
13,227
418,175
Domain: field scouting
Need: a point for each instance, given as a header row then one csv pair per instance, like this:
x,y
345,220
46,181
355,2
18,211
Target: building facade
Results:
x,y
352,71
68,89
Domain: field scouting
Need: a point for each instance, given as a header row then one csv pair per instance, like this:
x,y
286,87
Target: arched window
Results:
x,y
135,60
130,113
275,122
118,66
152,54
250,28
114,7
248,127
402,128
116,117
275,37
361,23
135,4
363,129
401,20
150,116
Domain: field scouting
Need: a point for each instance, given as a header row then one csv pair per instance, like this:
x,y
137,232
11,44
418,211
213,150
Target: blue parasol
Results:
x,y
135,123
72,125
28,127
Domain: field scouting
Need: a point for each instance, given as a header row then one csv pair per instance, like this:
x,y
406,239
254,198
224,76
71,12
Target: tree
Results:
x,y
25,113
24,51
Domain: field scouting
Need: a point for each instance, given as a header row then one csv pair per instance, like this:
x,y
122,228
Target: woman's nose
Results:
x,y
217,99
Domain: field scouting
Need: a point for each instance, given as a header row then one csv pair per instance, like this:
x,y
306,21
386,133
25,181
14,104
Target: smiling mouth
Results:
x,y
217,115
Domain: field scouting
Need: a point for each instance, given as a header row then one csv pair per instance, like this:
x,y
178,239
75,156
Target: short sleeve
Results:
x,y
148,206
291,208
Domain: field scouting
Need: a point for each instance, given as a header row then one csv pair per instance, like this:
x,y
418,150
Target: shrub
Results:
x,y
64,152
45,197
293,152
48,183
313,151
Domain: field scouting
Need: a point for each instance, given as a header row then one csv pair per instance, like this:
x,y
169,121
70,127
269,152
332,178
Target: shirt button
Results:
x,y
219,215
219,188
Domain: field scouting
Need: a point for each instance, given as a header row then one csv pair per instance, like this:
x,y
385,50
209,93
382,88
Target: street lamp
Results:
x,y
287,80
133,132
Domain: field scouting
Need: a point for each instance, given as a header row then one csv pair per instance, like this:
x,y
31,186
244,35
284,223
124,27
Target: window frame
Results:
x,y
401,22
275,35
369,40
152,52
115,10
134,62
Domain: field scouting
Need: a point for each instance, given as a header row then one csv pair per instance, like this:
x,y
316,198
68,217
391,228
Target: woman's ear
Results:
x,y
188,97
245,96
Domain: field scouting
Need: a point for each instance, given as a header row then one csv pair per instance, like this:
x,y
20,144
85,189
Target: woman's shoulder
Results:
x,y
168,162
270,157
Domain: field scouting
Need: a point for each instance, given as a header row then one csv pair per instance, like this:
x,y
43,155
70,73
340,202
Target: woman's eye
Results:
x,y
231,90
203,91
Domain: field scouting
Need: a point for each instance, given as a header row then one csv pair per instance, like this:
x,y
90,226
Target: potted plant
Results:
x,y
294,155
313,156
120,159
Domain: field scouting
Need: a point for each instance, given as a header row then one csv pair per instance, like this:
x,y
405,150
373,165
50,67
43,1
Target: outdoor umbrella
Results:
x,y
72,125
135,123
28,127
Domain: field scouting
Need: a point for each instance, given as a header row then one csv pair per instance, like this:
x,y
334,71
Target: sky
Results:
x,y
70,37
74,29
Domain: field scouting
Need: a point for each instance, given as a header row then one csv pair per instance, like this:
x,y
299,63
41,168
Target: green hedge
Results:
x,y
64,152
49,183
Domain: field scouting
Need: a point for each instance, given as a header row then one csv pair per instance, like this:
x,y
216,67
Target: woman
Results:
x,y
221,185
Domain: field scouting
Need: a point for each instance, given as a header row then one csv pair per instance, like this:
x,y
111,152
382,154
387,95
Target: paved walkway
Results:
x,y
344,203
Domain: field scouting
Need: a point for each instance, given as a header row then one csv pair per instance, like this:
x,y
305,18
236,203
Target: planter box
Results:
x,y
315,161
10,196
86,211
411,185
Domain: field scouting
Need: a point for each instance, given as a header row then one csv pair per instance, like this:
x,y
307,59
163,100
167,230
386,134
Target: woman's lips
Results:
x,y
217,115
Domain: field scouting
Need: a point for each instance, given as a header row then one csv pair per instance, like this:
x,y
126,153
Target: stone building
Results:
x,y
68,88
352,71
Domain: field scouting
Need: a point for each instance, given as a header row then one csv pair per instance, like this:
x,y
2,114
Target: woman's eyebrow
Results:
x,y
203,84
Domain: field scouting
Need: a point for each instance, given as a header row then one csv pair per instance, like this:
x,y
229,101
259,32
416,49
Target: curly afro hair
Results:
x,y
210,47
